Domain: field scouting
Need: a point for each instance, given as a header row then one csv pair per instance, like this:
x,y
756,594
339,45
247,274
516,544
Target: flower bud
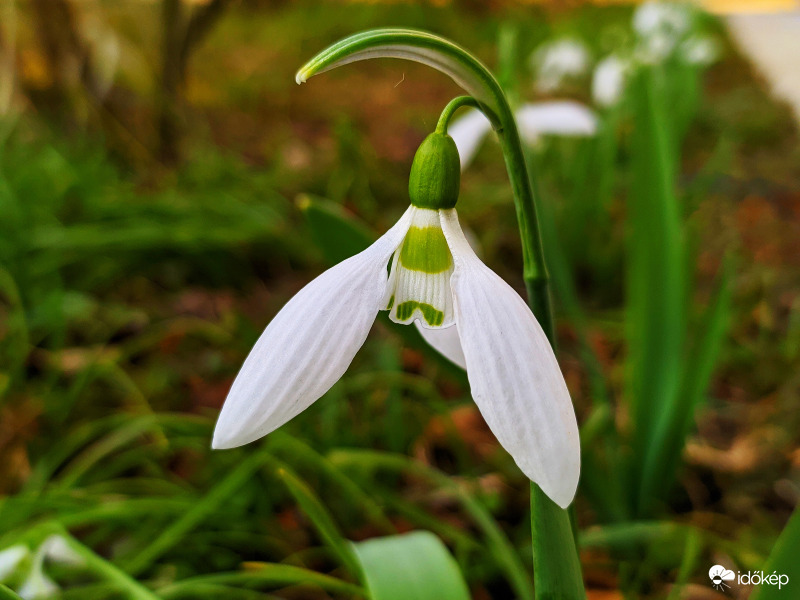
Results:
x,y
435,173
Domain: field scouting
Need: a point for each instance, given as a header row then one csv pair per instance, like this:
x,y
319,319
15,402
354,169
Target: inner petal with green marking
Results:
x,y
419,281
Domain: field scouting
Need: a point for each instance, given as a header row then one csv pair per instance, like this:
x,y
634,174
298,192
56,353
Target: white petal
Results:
x,y
608,81
554,61
700,50
10,559
309,344
445,341
418,289
58,550
38,586
513,373
562,117
468,132
655,17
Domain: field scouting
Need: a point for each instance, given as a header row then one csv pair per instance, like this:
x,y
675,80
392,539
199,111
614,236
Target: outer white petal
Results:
x,y
10,559
562,117
700,50
559,59
654,17
58,550
608,81
513,373
445,341
308,346
38,586
468,131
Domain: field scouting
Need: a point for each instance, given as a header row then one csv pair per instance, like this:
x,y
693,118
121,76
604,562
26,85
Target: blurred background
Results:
x,y
165,187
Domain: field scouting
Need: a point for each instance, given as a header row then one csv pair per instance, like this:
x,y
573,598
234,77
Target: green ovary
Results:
x,y
425,249
433,316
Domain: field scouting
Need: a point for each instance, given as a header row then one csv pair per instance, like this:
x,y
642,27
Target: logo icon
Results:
x,y
719,575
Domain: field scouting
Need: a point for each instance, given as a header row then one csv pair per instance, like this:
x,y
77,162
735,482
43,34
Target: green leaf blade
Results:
x,y
656,281
783,561
412,566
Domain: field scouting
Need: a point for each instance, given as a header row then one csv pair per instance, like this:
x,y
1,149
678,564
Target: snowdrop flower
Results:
x,y
463,309
558,60
57,549
559,117
661,26
608,81
10,560
700,50
661,17
36,584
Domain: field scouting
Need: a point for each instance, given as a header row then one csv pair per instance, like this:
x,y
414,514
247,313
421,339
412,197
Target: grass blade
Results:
x,y
782,561
7,594
173,534
260,574
655,281
322,520
674,424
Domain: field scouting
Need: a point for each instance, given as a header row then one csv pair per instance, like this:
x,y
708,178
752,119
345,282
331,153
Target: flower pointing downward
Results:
x,y
462,308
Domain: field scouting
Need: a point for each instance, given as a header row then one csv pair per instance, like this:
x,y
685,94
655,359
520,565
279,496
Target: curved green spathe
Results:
x,y
419,46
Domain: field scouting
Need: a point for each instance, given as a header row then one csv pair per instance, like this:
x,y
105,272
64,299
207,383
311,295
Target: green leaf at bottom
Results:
x,y
412,566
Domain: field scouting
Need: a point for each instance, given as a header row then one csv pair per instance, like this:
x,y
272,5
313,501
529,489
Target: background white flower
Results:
x,y
36,585
558,117
555,61
608,80
10,559
700,50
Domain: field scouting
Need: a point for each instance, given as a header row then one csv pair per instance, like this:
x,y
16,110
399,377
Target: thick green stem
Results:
x,y
556,567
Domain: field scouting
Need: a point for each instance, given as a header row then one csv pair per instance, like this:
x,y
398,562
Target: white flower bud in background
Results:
x,y
700,50
661,27
38,586
561,117
57,549
608,80
565,118
10,560
651,18
19,563
555,61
